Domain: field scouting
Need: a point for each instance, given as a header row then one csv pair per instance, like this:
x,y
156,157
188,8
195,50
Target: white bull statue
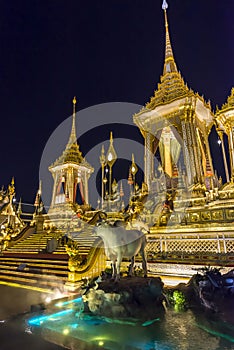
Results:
x,y
120,243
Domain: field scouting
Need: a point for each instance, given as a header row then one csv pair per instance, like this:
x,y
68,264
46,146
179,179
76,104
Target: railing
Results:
x,y
194,247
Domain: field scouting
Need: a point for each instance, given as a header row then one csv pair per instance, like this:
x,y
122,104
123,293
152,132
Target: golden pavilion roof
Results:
x,y
172,85
72,153
173,93
228,105
225,115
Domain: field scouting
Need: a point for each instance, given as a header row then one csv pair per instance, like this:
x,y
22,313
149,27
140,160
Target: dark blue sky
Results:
x,y
100,51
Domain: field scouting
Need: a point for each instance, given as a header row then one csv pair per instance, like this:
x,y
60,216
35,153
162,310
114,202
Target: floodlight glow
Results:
x,y
66,331
75,325
110,157
60,304
37,321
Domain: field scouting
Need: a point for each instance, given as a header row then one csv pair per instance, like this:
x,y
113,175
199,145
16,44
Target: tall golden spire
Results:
x,y
11,189
71,152
73,138
171,86
169,64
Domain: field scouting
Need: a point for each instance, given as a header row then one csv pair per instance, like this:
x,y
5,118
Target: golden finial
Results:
x,y
11,189
72,138
164,7
40,188
169,65
134,168
74,105
111,154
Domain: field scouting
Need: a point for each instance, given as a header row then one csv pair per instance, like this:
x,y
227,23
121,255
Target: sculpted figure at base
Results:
x,y
120,243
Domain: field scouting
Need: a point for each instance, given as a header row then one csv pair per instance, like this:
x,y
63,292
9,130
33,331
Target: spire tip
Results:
x,y
164,5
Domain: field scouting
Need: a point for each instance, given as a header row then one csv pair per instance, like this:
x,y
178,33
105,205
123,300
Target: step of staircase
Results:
x,y
23,263
35,243
42,273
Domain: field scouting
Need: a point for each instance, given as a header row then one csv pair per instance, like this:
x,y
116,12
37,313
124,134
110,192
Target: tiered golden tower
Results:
x,y
71,173
178,122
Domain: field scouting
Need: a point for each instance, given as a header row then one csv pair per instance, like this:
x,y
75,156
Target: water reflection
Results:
x,y
187,330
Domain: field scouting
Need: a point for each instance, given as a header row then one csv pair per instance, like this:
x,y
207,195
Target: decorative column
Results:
x,y
149,159
196,152
208,154
220,134
166,141
186,153
86,191
231,151
192,152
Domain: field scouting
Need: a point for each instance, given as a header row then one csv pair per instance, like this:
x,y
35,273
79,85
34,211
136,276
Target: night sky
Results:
x,y
101,51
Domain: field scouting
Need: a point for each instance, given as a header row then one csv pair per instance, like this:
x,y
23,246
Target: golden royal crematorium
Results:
x,y
189,210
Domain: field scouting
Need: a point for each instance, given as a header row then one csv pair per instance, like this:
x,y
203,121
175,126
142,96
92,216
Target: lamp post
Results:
x,y
104,183
110,160
121,194
130,181
103,162
134,170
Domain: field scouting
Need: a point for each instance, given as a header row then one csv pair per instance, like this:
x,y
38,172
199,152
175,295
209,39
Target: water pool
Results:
x,y
69,326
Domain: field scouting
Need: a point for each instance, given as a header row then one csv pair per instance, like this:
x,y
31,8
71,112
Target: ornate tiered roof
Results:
x,y
72,153
172,85
229,104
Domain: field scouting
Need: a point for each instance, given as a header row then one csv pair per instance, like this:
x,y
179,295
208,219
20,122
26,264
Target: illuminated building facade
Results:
x,y
189,211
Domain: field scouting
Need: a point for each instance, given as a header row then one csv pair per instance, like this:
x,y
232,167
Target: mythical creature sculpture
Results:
x,y
75,259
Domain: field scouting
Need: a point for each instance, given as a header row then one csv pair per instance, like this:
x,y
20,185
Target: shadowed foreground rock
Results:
x,y
208,290
130,297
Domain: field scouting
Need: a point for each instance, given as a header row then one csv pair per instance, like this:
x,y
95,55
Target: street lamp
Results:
x,y
103,162
110,159
134,170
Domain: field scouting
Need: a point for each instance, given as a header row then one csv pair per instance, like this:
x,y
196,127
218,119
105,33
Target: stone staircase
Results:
x,y
27,263
32,271
35,243
85,241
